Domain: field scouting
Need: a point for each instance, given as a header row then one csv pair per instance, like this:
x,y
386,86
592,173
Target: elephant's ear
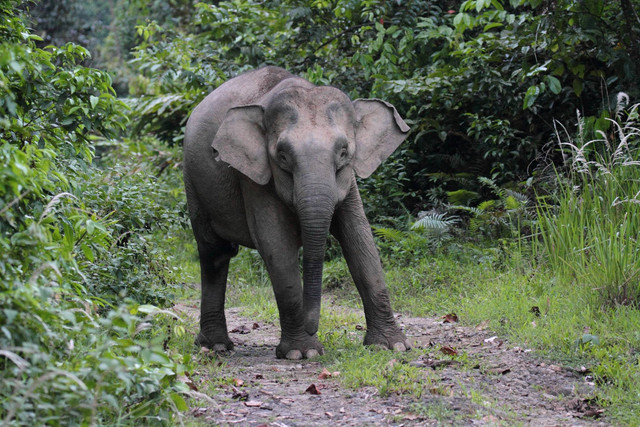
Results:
x,y
241,142
379,131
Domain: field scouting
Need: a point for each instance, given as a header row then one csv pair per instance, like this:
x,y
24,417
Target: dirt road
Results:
x,y
496,384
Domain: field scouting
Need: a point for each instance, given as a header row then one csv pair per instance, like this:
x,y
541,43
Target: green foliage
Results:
x,y
480,86
73,242
590,236
89,369
139,190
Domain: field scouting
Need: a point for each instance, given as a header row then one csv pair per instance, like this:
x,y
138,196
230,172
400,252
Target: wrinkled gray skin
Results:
x,y
269,164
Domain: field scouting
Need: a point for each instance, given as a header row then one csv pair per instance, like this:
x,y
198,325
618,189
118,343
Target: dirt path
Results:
x,y
506,386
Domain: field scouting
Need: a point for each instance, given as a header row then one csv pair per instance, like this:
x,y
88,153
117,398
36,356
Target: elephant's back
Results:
x,y
244,89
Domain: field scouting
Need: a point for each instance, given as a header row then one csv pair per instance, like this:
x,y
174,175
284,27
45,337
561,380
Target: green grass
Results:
x,y
590,233
504,296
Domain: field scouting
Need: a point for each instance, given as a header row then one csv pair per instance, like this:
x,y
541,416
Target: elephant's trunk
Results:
x,y
315,207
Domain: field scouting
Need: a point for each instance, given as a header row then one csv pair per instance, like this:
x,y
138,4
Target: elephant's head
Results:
x,y
308,141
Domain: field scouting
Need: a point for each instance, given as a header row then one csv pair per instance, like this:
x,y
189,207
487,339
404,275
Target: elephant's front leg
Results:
x,y
351,228
295,342
275,234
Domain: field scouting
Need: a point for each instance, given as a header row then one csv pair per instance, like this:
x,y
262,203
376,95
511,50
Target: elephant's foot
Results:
x,y
214,342
391,338
306,347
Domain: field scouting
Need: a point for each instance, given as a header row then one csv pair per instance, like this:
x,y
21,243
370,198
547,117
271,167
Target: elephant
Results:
x,y
269,163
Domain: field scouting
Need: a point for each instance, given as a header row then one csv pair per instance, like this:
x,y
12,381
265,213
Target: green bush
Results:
x,y
66,358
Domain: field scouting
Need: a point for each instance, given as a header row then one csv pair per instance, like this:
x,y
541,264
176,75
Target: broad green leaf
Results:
x,y
179,401
88,252
90,227
492,25
554,85
578,86
531,96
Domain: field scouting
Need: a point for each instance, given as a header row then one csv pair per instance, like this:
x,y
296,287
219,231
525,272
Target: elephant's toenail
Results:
x,y
294,355
219,348
399,347
312,353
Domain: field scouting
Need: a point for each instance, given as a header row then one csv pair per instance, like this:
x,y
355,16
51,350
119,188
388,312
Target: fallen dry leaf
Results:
x,y
198,412
259,376
253,404
324,374
450,318
447,349
359,327
242,329
312,389
237,382
255,326
587,408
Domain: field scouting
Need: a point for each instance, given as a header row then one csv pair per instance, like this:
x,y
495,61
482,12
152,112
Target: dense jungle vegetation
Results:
x,y
518,188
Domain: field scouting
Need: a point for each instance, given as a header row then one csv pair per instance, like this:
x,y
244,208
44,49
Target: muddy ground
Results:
x,y
503,385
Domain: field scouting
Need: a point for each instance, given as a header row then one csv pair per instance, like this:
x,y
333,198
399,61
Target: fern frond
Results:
x,y
435,221
491,184
473,210
389,233
462,196
511,203
522,198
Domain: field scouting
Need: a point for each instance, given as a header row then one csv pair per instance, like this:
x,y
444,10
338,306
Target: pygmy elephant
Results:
x,y
269,162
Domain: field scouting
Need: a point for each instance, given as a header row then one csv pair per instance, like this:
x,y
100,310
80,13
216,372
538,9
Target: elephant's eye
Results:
x,y
343,153
282,157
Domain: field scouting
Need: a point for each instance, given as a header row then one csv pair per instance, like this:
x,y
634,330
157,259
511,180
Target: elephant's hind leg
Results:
x,y
214,268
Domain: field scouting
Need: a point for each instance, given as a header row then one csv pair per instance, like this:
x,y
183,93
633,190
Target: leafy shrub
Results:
x,y
87,369
60,362
138,189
